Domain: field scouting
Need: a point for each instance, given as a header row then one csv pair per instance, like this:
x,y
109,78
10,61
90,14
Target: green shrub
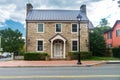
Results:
x,y
116,52
84,55
108,52
35,56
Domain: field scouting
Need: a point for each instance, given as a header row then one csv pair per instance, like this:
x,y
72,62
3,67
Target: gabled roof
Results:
x,y
58,36
60,15
118,21
57,15
91,26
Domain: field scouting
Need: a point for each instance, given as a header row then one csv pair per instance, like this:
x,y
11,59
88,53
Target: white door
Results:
x,y
57,50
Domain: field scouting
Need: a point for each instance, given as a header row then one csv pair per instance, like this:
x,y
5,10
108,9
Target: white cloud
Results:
x,y
96,9
2,24
11,11
6,12
104,9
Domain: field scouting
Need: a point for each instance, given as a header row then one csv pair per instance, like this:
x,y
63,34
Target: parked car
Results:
x,y
0,55
6,54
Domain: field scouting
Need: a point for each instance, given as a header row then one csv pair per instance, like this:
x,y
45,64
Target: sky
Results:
x,y
13,12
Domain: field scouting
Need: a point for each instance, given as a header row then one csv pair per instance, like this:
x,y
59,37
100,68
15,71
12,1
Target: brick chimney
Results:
x,y
83,8
29,7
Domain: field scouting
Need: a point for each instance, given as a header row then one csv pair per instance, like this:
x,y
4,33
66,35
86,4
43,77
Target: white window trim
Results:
x,y
37,45
43,28
71,28
61,28
72,45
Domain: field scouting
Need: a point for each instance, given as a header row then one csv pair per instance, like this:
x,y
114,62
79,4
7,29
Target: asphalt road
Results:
x,y
103,72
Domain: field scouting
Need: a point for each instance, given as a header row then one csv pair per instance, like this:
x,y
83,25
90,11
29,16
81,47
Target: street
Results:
x,y
101,72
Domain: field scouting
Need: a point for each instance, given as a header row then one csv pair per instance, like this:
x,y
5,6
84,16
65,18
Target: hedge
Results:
x,y
116,52
84,55
35,56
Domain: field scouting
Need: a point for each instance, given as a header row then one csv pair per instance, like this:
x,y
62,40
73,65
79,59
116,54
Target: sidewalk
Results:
x,y
71,63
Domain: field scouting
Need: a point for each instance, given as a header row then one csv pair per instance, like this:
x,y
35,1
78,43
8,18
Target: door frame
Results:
x,y
58,50
61,38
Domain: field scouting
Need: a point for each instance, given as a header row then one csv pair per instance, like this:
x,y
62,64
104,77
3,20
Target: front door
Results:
x,y
58,50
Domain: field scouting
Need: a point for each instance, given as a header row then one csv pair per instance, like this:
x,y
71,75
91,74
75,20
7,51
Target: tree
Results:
x,y
97,41
103,22
11,40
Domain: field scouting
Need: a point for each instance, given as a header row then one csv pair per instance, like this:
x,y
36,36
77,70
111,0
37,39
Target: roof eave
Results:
x,y
56,21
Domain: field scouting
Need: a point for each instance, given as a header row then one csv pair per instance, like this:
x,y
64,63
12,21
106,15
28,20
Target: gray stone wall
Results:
x,y
49,32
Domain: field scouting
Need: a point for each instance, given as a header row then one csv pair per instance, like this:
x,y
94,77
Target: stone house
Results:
x,y
56,31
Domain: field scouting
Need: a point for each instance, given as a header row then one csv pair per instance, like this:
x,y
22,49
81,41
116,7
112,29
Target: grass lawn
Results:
x,y
103,58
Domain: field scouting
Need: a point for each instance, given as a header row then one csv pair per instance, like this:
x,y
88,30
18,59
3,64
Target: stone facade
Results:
x,y
57,45
49,31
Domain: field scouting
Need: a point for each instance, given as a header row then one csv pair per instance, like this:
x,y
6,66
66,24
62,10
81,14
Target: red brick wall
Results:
x,y
115,41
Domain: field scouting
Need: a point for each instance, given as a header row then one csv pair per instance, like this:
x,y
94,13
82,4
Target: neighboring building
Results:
x,y
112,36
56,31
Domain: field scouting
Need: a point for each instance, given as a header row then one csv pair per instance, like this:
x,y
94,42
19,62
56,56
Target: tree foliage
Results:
x,y
97,41
103,22
97,44
11,40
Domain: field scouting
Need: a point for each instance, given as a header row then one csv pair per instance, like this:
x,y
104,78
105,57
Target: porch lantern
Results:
x,y
79,17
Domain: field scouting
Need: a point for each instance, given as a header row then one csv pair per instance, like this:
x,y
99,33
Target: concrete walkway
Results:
x,y
71,63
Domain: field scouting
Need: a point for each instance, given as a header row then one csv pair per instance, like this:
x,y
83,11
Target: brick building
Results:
x,y
112,36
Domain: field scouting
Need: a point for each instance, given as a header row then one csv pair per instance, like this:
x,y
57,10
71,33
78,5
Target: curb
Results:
x,y
113,62
89,65
63,65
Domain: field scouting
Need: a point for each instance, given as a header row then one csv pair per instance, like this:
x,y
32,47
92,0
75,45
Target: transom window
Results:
x,y
118,32
74,27
40,45
40,27
74,45
58,27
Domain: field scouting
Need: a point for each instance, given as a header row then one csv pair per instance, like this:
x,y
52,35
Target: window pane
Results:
x,y
74,46
118,32
109,35
58,27
40,45
74,27
40,27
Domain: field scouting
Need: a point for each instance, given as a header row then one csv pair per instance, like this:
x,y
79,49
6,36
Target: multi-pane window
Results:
x,y
58,27
40,45
118,32
74,45
109,35
40,27
74,27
